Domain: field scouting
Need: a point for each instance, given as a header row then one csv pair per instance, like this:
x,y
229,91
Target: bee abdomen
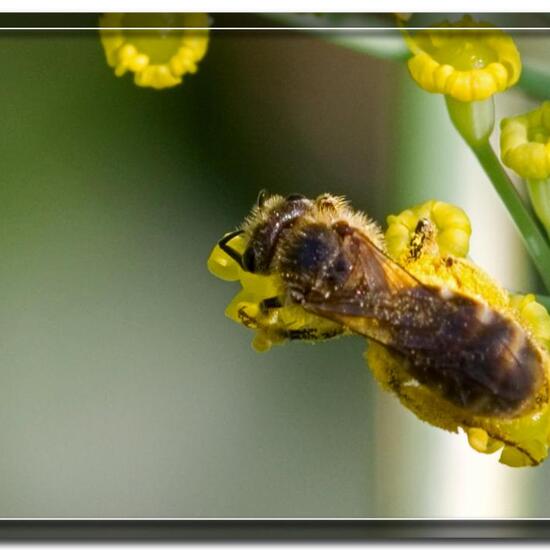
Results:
x,y
486,363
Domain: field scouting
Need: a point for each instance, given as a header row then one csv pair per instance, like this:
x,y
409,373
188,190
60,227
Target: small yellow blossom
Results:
x,y
273,325
525,143
467,65
158,58
451,224
524,440
525,148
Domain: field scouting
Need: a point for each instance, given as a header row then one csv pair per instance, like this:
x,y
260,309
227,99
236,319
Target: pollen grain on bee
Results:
x,y
484,314
446,293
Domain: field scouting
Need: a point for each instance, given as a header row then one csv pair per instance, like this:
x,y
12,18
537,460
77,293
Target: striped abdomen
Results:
x,y
471,354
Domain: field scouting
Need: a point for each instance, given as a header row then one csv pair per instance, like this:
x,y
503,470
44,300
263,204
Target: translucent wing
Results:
x,y
472,354
375,287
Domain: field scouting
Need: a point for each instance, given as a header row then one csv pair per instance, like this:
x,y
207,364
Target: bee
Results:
x,y
332,263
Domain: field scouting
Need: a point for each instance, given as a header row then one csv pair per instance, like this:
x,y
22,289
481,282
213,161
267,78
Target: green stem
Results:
x,y
372,41
532,235
539,193
381,45
474,120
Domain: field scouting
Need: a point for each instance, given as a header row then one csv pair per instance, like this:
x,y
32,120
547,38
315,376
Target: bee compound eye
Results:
x,y
249,260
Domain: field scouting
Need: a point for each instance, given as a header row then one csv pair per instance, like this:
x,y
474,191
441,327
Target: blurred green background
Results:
x,y
124,391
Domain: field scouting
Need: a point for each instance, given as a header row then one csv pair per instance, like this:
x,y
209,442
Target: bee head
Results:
x,y
270,218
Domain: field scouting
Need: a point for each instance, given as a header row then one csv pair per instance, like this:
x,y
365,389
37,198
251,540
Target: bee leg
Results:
x,y
270,303
303,334
246,319
312,334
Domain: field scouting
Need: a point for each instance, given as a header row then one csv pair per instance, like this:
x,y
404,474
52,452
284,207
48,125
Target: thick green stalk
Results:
x,y
474,120
531,233
539,193
370,40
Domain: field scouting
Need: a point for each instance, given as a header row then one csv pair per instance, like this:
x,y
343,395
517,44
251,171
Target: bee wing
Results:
x,y
383,301
373,269
374,285
368,272
475,356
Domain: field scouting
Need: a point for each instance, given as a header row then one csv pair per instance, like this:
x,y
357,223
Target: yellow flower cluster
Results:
x,y
452,225
273,326
467,65
524,439
525,143
158,58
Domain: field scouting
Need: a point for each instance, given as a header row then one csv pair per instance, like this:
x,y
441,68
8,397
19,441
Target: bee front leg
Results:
x,y
270,303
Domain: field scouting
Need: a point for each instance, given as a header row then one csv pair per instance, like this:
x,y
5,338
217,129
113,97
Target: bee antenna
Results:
x,y
231,252
263,195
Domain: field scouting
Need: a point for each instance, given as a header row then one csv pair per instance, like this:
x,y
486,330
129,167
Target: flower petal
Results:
x,y
467,66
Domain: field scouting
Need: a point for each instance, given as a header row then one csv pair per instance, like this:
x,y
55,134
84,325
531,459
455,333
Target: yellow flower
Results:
x,y
451,224
158,58
436,259
524,439
525,148
270,325
525,143
467,65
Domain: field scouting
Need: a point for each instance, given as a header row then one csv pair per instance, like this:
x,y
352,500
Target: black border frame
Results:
x,y
272,529
231,529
